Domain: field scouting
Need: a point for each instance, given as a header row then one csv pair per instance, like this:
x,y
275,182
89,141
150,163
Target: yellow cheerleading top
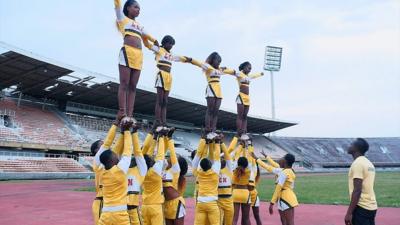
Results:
x,y
284,186
225,176
171,176
213,74
128,26
208,180
164,57
97,167
152,185
248,177
244,179
136,174
115,183
244,79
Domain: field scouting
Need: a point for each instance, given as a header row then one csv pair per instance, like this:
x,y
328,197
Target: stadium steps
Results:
x,y
65,119
37,126
41,165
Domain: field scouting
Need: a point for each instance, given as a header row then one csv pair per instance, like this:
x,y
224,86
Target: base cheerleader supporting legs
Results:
x,y
241,119
134,78
127,90
215,114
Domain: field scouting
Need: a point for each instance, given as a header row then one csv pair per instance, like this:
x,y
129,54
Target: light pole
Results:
x,y
272,63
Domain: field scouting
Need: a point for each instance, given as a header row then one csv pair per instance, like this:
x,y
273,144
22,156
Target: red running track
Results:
x,y
55,202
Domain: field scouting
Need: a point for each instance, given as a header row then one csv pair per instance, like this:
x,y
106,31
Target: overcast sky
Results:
x,y
340,74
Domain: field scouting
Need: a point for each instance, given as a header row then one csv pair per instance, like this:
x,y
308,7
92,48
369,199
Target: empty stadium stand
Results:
x,y
41,165
37,128
90,122
332,152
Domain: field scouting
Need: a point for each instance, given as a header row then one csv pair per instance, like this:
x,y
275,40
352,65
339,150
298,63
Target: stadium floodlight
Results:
x,y
272,63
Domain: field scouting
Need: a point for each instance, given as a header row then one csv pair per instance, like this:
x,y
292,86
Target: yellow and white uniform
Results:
x,y
98,172
213,76
206,207
244,80
284,195
174,208
135,180
115,186
363,169
242,195
225,200
153,197
164,58
130,56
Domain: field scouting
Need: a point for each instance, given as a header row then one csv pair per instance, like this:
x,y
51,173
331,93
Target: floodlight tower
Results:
x,y
272,63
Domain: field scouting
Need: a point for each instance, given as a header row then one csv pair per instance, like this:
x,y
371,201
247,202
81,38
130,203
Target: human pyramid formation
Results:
x,y
225,184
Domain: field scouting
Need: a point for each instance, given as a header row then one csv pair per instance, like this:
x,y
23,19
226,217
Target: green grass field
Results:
x,y
326,189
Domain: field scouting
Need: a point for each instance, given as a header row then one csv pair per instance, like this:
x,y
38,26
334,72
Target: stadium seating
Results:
x,y
41,165
90,123
36,126
261,143
328,152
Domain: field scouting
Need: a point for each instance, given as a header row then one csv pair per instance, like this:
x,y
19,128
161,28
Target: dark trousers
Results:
x,y
363,216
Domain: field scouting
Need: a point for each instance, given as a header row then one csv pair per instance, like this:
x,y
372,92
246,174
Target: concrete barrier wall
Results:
x,y
87,175
44,176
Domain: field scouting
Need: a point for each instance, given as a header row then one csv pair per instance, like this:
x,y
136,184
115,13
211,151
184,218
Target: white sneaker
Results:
x,y
210,136
125,119
215,134
244,137
159,128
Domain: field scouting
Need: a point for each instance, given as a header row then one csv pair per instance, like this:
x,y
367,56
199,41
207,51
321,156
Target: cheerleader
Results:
x,y
130,55
174,185
207,175
284,195
164,59
213,71
243,98
153,199
136,173
225,200
242,177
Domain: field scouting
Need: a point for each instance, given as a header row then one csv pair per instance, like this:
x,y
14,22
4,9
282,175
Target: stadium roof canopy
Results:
x,y
45,78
